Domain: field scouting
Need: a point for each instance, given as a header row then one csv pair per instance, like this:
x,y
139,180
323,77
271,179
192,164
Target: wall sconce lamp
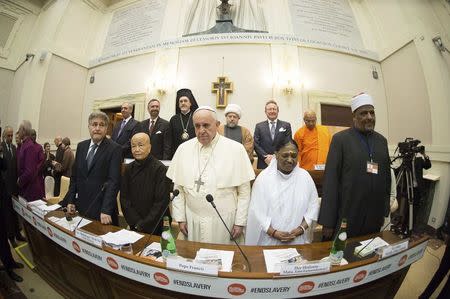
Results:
x,y
288,89
438,43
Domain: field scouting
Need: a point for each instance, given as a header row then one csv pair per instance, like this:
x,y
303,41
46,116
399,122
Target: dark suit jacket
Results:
x,y
10,174
160,139
124,138
86,184
263,141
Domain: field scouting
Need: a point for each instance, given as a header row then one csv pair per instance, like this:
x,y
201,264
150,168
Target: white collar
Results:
x,y
127,119
92,143
270,121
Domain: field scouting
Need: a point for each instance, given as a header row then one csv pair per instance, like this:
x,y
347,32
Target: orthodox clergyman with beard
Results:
x,y
234,131
357,177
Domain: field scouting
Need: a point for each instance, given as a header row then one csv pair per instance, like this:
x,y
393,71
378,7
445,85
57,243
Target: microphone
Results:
x,y
174,194
210,199
92,203
357,254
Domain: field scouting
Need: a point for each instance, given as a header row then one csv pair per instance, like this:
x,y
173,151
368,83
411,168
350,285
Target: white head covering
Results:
x,y
361,100
205,108
234,108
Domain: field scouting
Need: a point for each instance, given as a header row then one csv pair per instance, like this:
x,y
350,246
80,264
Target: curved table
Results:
x,y
78,269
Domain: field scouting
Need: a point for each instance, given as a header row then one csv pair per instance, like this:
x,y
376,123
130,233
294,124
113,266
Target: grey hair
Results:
x,y
99,114
26,127
4,131
129,105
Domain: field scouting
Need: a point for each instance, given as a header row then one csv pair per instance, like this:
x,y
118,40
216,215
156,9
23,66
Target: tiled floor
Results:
x,y
420,273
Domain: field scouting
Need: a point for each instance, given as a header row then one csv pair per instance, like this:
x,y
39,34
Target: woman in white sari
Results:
x,y
284,202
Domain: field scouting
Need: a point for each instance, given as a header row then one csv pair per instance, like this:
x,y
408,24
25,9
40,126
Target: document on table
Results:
x,y
70,225
121,237
222,258
275,258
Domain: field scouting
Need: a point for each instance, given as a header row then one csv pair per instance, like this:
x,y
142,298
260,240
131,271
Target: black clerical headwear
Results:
x,y
184,92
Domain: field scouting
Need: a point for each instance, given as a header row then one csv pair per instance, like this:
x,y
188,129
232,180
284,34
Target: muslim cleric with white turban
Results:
x,y
357,176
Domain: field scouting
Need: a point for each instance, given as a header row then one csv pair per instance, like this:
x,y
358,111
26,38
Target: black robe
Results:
x,y
177,129
349,190
144,193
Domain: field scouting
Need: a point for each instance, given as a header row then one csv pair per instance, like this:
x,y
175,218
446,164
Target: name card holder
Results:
x,y
308,268
89,237
185,265
393,249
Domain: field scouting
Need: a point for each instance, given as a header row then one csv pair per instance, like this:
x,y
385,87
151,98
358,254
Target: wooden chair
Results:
x,y
65,181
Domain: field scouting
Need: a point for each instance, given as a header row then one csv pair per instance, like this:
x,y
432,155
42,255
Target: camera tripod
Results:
x,y
405,187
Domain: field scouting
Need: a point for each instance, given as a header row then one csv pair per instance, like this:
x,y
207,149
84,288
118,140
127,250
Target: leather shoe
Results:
x,y
14,276
21,238
17,266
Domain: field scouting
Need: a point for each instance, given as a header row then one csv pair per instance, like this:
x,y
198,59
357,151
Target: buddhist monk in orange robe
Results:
x,y
313,142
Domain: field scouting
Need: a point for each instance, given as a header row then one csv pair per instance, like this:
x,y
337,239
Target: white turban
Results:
x,y
234,109
361,100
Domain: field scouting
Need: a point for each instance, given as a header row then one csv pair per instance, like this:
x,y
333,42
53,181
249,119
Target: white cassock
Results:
x,y
226,173
281,201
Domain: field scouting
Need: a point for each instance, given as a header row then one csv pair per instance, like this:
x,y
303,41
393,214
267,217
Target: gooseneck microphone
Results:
x,y
357,254
174,194
210,199
92,203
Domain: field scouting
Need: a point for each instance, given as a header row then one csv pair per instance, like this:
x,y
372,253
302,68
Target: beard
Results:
x,y
231,125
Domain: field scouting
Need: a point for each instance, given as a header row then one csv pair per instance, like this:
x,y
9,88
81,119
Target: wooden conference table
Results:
x,y
78,269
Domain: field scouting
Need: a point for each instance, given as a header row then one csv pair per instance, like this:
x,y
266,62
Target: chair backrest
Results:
x,y
49,183
65,181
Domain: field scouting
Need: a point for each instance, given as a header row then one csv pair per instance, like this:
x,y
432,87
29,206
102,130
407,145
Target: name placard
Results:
x,y
394,248
305,269
89,238
319,166
184,265
23,201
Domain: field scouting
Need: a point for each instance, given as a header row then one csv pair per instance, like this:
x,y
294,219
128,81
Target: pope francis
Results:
x,y
210,164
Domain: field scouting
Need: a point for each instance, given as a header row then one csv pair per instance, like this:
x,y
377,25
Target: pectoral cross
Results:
x,y
222,87
199,182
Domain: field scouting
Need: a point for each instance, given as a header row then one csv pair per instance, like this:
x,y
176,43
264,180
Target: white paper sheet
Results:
x,y
275,258
121,237
205,255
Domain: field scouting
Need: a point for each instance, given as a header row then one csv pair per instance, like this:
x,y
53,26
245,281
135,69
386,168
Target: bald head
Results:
x,y
140,146
309,117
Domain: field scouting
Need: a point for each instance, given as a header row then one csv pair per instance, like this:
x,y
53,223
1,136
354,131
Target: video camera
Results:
x,y
410,147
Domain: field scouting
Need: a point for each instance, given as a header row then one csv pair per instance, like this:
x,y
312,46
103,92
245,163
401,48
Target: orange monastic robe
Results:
x,y
313,146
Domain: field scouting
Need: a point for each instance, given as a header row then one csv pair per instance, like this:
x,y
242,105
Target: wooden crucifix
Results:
x,y
222,87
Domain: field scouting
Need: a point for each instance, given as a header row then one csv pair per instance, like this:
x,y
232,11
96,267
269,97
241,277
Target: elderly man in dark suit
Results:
x,y
270,133
124,130
159,131
10,179
95,178
5,252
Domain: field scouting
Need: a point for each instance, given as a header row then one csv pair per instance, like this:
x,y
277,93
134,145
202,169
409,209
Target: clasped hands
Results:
x,y
285,236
